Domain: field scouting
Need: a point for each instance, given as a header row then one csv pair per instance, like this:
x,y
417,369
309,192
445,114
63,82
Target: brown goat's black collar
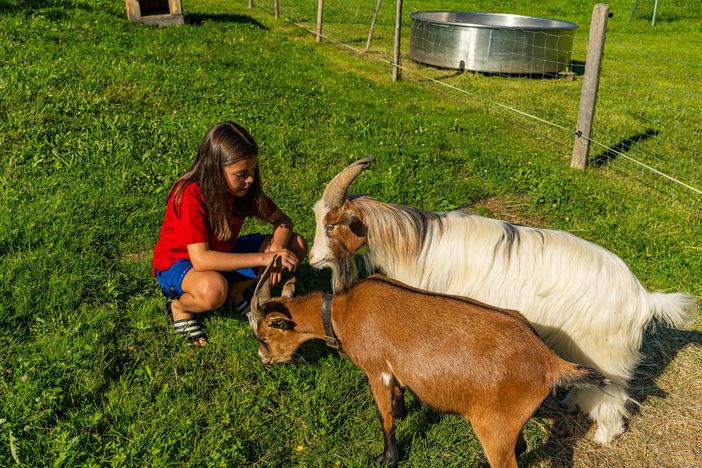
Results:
x,y
330,338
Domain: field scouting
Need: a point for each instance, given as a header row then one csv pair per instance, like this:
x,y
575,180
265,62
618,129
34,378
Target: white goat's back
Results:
x,y
580,296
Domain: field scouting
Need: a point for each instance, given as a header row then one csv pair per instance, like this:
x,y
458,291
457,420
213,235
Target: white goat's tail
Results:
x,y
679,310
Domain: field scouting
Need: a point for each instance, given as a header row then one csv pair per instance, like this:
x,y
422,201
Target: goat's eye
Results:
x,y
330,227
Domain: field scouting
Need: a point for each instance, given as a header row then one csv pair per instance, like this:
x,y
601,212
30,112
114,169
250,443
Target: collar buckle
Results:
x,y
330,338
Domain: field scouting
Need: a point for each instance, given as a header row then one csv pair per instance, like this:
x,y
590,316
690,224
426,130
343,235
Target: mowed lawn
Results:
x,y
98,116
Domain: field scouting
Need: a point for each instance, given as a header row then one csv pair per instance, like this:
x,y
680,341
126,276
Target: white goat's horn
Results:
x,y
336,189
261,295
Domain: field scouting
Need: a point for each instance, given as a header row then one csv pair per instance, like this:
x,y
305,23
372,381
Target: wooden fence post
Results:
x,y
320,13
250,3
276,9
398,31
591,81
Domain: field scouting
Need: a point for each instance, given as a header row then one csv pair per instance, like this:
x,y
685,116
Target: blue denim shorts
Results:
x,y
170,280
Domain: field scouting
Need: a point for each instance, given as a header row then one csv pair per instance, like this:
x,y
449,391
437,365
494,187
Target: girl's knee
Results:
x,y
213,291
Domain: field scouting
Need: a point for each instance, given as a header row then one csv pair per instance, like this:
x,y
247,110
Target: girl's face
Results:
x,y
240,175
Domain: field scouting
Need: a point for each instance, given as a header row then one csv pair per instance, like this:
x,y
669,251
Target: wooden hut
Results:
x,y
161,12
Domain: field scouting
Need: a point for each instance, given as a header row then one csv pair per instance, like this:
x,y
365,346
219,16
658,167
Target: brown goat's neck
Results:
x,y
330,337
308,318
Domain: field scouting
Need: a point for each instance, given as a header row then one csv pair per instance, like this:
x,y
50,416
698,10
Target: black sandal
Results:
x,y
243,307
190,329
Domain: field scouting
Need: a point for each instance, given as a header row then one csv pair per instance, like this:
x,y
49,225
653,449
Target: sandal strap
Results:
x,y
190,328
243,307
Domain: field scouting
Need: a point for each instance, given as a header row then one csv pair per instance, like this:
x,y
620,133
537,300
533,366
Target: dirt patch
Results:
x,y
511,208
137,256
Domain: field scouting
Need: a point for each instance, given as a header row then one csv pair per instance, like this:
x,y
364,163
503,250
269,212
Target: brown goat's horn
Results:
x,y
261,295
336,189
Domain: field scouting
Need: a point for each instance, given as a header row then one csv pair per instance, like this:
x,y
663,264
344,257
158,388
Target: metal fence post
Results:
x,y
591,80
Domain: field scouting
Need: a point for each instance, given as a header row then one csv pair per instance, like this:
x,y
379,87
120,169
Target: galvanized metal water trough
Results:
x,y
491,42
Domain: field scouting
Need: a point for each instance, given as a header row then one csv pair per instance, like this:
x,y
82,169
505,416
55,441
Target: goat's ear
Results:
x,y
347,218
282,323
350,219
288,288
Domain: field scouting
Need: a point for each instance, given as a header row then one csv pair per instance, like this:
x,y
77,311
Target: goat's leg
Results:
x,y
498,441
607,408
382,389
399,410
499,430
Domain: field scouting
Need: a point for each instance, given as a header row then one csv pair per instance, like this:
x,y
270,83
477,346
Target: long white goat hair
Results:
x,y
508,265
583,299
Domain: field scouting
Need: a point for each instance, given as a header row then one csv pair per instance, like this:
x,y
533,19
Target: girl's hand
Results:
x,y
286,261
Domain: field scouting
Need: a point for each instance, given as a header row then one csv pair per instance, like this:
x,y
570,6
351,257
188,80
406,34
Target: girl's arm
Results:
x,y
204,259
282,230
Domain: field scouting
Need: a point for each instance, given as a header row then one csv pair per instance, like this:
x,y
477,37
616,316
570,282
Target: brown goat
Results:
x,y
455,354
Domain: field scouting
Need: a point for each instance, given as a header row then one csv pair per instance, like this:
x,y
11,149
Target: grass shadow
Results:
x,y
197,19
530,76
565,432
456,72
416,425
622,147
660,347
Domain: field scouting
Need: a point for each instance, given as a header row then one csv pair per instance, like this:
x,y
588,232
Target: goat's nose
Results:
x,y
264,359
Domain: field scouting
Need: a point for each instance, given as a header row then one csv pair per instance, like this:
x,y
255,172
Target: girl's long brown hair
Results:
x,y
225,144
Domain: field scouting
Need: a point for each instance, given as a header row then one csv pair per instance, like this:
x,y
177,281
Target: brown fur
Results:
x,y
455,354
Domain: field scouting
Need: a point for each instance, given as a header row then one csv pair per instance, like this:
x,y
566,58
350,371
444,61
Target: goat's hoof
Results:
x,y
605,435
386,458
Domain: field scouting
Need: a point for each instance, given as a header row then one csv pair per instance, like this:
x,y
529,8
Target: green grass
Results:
x,y
98,116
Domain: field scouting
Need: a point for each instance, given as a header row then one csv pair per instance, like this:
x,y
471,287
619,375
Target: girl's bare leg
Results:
x,y
203,291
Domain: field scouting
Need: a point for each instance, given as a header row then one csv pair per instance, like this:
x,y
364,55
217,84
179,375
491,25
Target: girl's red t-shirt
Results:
x,y
191,227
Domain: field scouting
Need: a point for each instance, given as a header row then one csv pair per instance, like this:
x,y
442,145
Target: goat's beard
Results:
x,y
344,271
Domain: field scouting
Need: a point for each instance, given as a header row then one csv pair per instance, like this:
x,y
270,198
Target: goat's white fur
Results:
x,y
584,301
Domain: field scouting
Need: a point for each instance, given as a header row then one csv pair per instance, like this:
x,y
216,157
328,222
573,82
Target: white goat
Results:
x,y
583,300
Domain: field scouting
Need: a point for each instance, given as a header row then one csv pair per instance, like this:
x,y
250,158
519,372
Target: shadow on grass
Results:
x,y
197,19
622,147
660,347
454,73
